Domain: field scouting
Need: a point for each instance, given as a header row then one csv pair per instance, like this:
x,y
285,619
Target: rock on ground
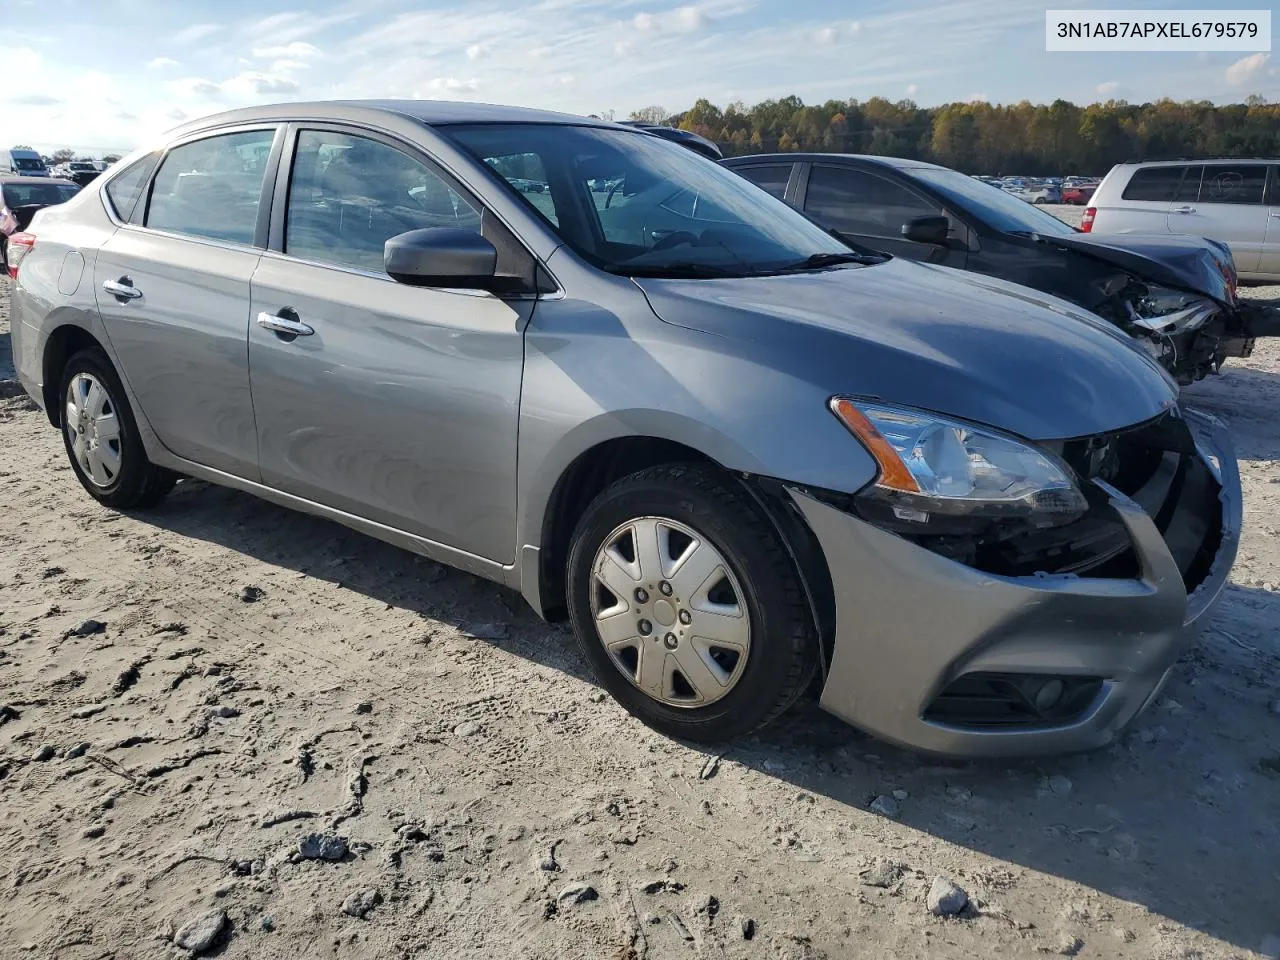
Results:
x,y
945,898
200,932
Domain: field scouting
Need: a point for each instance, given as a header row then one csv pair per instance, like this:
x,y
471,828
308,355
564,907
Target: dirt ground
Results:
x,y
253,676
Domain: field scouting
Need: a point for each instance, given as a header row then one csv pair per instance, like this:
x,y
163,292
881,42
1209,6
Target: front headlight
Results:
x,y
932,465
1170,312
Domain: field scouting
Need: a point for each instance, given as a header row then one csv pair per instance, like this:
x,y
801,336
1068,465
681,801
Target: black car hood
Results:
x,y
1196,264
957,343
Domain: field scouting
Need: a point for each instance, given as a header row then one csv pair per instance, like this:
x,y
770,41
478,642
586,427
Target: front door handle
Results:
x,y
289,326
1183,210
122,289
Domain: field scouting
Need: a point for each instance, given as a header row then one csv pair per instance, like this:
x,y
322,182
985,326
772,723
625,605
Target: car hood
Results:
x,y
930,337
1196,264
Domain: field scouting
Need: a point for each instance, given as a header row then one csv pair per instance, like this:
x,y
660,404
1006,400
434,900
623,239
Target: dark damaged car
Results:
x,y
1175,295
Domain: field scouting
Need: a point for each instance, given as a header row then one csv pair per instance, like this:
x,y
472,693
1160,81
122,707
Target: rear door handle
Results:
x,y
1183,210
287,325
122,289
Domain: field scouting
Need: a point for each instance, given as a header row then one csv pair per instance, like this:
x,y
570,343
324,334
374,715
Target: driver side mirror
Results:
x,y
931,230
441,257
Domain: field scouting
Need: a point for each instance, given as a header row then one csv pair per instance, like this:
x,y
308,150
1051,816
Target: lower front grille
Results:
x,y
1013,700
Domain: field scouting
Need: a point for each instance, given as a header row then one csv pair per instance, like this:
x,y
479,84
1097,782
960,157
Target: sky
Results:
x,y
99,75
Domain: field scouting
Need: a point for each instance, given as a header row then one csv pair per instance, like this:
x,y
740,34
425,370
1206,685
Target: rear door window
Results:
x,y
1233,183
125,188
854,201
212,187
1157,184
349,195
771,177
1189,189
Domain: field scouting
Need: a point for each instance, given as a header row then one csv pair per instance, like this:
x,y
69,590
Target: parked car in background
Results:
x,y
686,138
82,172
1234,201
1035,193
1175,295
1078,193
736,453
23,163
21,197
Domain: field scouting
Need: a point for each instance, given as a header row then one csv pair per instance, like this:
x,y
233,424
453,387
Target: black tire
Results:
x,y
139,483
782,655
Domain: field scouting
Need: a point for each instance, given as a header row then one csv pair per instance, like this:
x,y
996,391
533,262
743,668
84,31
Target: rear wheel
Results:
x,y
101,437
687,606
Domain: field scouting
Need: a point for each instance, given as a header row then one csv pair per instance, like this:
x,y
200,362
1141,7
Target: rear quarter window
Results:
x,y
125,188
1157,184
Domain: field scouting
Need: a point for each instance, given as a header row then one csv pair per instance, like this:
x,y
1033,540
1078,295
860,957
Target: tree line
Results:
x,y
1022,138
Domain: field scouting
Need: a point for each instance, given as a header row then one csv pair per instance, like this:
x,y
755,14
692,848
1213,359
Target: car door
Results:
x,y
1269,263
1145,201
397,404
870,209
172,287
1226,204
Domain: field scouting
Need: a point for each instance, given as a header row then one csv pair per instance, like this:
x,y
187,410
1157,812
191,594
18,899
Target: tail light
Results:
x,y
1086,222
20,245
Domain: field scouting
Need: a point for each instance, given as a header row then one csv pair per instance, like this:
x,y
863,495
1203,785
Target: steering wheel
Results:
x,y
674,240
612,190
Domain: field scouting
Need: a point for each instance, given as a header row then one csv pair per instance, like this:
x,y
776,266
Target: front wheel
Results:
x,y
687,606
102,440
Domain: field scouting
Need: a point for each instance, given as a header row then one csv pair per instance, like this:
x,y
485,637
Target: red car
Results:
x,y
1078,193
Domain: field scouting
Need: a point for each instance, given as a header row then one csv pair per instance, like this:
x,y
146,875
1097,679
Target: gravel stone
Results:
x,y
200,932
466,728
322,846
900,795
88,628
945,898
79,750
1274,707
959,794
748,928
882,873
364,706
486,631
1069,946
361,903
885,806
252,593
576,893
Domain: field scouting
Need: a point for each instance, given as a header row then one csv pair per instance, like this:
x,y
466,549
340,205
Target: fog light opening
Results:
x,y
1049,695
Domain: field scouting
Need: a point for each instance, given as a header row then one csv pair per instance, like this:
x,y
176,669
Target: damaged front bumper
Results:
x,y
910,625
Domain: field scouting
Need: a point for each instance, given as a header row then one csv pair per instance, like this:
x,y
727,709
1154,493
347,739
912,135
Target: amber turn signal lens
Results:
x,y
893,472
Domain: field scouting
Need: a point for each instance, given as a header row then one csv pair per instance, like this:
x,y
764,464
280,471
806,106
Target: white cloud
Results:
x,y
159,63
253,83
1107,88
912,89
680,20
622,49
189,87
826,37
197,31
287,66
1246,68
297,50
976,98
34,100
476,51
439,85
855,28
22,60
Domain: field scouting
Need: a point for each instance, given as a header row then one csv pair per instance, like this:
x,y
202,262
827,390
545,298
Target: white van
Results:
x,y
23,163
1235,201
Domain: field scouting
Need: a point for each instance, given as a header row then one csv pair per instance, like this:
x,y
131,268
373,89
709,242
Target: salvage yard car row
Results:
x,y
735,451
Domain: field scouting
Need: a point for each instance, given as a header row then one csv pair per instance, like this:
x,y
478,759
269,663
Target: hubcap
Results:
x,y
93,429
656,571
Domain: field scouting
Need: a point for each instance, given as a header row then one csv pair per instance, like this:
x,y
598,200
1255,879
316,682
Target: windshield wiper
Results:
x,y
819,260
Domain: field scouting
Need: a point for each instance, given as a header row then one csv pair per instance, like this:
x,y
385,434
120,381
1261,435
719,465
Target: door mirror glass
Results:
x,y
441,257
927,230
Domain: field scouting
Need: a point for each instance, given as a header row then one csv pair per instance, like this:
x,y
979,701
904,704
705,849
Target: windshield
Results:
x,y
81,165
638,205
998,209
27,163
37,194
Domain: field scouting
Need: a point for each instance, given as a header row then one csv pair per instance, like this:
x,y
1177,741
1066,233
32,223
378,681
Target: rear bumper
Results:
x,y
908,622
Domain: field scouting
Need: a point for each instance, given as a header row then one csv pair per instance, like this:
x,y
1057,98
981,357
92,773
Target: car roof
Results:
x,y
1186,160
900,163
33,180
429,112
